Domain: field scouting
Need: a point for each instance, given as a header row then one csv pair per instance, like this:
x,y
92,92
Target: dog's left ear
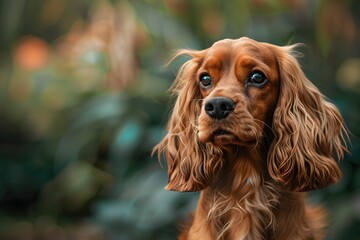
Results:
x,y
309,134
191,164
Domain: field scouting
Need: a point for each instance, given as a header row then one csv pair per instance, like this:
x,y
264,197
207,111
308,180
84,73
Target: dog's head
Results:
x,y
242,93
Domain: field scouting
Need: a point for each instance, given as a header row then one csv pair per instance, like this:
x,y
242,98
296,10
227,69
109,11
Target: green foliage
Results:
x,y
76,147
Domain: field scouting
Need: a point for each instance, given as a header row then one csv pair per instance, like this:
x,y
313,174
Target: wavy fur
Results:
x,y
282,138
309,131
191,164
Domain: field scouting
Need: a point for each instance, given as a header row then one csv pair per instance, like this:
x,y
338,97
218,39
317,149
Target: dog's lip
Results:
x,y
227,135
222,135
221,131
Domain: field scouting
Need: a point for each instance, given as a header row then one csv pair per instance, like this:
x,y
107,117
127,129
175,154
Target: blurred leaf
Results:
x,y
75,186
348,75
138,212
99,108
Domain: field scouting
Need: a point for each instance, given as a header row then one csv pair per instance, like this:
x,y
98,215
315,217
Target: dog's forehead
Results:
x,y
243,41
229,49
230,42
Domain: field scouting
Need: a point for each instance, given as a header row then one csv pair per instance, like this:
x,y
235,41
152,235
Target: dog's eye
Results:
x,y
205,80
257,79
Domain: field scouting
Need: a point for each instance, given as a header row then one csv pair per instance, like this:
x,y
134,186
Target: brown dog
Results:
x,y
251,132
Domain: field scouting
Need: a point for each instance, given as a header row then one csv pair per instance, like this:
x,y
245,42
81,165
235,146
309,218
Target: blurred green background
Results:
x,y
83,99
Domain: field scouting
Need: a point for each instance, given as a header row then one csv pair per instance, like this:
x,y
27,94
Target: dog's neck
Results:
x,y
243,167
239,190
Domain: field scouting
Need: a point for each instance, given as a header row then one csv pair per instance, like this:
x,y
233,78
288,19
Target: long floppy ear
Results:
x,y
191,164
309,134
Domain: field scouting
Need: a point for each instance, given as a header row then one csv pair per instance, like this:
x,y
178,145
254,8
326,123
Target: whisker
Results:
x,y
265,124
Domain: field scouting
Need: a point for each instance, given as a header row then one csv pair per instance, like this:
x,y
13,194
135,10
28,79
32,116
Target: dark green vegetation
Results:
x,y
83,99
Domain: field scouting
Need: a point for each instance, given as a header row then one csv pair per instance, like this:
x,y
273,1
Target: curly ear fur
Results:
x,y
191,164
309,134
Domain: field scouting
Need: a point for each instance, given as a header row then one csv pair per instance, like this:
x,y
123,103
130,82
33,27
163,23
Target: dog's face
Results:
x,y
239,85
239,92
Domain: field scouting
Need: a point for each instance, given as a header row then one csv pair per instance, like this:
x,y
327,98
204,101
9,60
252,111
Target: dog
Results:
x,y
253,134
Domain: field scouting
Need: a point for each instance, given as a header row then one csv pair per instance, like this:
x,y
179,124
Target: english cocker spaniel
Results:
x,y
252,133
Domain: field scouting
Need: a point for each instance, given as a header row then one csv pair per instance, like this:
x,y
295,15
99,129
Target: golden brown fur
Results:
x,y
281,138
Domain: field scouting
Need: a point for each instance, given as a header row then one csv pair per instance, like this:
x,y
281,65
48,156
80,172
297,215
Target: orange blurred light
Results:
x,y
32,53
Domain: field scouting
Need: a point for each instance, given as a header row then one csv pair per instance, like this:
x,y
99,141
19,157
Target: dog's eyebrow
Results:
x,y
212,63
247,62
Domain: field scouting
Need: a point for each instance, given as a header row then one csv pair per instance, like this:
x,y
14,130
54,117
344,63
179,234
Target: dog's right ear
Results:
x,y
191,164
309,132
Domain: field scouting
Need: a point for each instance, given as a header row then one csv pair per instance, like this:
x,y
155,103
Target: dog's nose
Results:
x,y
219,107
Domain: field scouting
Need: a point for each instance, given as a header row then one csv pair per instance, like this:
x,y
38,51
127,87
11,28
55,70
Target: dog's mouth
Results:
x,y
223,137
221,132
